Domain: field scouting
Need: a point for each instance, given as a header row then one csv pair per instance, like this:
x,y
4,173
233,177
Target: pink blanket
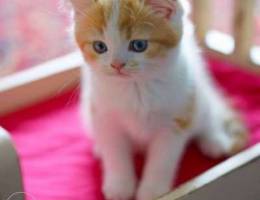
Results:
x,y
56,155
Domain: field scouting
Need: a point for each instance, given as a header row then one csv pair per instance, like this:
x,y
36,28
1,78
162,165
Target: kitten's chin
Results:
x,y
119,74
122,75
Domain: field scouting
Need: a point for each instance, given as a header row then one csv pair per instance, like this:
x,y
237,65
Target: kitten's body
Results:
x,y
156,111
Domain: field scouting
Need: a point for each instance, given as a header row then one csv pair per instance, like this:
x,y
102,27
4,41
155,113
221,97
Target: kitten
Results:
x,y
145,88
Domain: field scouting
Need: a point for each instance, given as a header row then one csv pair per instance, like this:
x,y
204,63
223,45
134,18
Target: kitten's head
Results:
x,y
127,38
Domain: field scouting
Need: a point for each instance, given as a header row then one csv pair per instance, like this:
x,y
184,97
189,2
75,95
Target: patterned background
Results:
x,y
33,31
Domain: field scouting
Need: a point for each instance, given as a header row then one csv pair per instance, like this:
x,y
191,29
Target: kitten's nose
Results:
x,y
118,65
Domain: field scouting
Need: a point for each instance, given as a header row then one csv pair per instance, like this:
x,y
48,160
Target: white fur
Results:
x,y
137,114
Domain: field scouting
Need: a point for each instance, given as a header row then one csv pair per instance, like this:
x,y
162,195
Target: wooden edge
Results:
x,y
39,83
201,17
243,28
10,172
246,66
215,173
222,46
255,55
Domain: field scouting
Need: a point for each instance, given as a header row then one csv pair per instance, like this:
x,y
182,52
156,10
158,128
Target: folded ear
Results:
x,y
165,8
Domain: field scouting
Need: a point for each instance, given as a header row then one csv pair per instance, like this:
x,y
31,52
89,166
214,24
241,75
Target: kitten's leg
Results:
x,y
163,157
225,134
119,180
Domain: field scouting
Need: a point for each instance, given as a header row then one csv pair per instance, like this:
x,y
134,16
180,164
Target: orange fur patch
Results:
x,y
91,22
184,122
136,21
236,129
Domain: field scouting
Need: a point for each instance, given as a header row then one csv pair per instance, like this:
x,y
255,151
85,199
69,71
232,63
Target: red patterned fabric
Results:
x,y
56,155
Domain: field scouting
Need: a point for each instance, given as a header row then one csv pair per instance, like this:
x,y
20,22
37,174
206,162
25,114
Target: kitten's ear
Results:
x,y
165,8
80,5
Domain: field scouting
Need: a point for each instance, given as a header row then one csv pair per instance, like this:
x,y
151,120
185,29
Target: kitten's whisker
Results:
x,y
149,24
85,14
140,9
80,11
67,83
73,96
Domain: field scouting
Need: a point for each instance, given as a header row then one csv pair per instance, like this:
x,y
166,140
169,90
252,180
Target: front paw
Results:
x,y
152,191
232,139
119,187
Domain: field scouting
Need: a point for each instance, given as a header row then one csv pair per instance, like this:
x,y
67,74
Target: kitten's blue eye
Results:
x,y
138,46
100,47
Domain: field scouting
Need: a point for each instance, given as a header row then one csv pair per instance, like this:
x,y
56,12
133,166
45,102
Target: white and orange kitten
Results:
x,y
145,88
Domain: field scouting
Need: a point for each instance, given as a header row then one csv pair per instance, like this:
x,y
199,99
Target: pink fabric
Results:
x,y
56,155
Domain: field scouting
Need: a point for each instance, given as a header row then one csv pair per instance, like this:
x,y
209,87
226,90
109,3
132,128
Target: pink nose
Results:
x,y
118,65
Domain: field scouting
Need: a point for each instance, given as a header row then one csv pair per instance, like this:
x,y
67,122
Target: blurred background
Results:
x,y
55,156
32,32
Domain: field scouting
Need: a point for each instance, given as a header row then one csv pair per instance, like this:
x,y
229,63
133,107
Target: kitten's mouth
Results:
x,y
123,74
119,73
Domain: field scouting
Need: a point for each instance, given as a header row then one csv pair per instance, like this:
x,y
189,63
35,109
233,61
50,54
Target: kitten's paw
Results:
x,y
119,188
238,134
228,142
214,147
151,191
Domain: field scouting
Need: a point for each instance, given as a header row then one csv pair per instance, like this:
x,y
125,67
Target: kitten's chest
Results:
x,y
141,107
137,97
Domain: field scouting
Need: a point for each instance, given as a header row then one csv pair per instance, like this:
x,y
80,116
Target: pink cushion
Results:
x,y
56,155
